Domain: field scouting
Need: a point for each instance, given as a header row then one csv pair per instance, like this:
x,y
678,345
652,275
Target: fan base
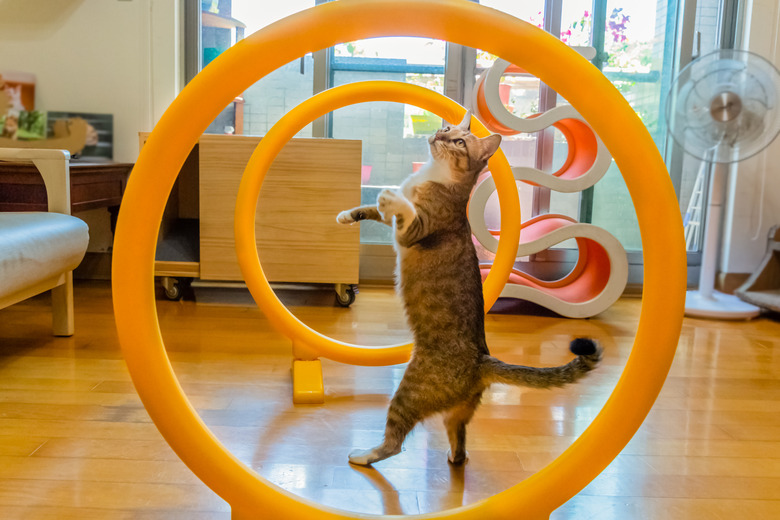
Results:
x,y
718,306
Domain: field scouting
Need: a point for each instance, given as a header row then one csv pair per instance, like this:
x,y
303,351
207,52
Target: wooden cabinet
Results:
x,y
298,238
93,184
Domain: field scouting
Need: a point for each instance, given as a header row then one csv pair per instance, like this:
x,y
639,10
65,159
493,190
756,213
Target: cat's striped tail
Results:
x,y
588,354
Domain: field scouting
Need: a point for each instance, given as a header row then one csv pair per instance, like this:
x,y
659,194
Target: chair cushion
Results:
x,y
35,246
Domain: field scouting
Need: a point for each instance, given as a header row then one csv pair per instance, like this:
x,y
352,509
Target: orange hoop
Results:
x,y
464,23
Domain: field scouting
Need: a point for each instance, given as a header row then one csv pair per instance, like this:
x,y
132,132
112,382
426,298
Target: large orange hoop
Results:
x,y
460,22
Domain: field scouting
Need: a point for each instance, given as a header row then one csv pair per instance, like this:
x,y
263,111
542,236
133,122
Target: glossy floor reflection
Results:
x,y
75,441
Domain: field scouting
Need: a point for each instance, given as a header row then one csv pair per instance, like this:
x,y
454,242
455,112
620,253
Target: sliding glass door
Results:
x,y
394,135
225,22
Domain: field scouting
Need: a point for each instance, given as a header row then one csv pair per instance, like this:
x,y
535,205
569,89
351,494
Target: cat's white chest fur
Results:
x,y
434,171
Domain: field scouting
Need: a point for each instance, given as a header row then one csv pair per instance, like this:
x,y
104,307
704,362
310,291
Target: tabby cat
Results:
x,y
438,278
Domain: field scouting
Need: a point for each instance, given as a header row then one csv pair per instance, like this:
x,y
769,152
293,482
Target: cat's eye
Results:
x,y
460,142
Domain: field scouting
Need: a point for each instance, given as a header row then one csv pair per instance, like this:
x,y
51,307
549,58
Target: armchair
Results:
x,y
39,250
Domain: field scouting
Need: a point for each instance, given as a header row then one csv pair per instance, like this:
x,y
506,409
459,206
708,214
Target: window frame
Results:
x,y
377,260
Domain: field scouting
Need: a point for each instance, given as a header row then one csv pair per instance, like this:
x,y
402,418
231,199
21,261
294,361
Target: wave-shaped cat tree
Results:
x,y
601,271
464,23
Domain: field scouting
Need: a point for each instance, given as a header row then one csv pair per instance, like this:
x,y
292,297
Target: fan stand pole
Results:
x,y
706,302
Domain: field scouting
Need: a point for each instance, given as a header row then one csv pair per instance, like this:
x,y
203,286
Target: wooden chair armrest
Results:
x,y
54,167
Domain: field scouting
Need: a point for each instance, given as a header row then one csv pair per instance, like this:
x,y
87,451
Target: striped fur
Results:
x,y
439,280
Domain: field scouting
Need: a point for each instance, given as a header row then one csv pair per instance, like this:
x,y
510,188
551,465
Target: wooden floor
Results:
x,y
75,441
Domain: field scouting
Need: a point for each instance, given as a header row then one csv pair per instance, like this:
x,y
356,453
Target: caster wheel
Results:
x,y
345,295
172,288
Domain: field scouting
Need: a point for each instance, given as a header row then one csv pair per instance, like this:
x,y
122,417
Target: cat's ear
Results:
x,y
488,146
466,123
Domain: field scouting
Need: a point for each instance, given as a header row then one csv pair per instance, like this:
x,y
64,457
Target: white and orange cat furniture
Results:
x,y
465,23
601,271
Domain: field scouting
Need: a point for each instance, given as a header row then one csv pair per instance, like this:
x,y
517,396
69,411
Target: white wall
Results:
x,y
120,57
755,189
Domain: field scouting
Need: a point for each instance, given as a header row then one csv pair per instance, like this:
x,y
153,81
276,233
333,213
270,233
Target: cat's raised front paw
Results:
x,y
345,217
389,202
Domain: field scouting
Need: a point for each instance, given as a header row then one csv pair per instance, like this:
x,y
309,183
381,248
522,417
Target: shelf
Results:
x,y
221,22
178,250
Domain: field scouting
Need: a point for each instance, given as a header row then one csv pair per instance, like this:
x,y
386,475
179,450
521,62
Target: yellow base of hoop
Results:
x,y
238,514
308,386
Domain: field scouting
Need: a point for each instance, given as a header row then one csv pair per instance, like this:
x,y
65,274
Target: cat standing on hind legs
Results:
x,y
439,281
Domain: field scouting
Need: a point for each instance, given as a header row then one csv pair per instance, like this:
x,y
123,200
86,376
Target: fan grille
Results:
x,y
723,107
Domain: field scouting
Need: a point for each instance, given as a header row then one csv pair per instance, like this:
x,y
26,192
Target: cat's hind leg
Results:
x,y
455,421
400,421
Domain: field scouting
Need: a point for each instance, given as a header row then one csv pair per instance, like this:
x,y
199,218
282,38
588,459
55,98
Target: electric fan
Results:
x,y
722,108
